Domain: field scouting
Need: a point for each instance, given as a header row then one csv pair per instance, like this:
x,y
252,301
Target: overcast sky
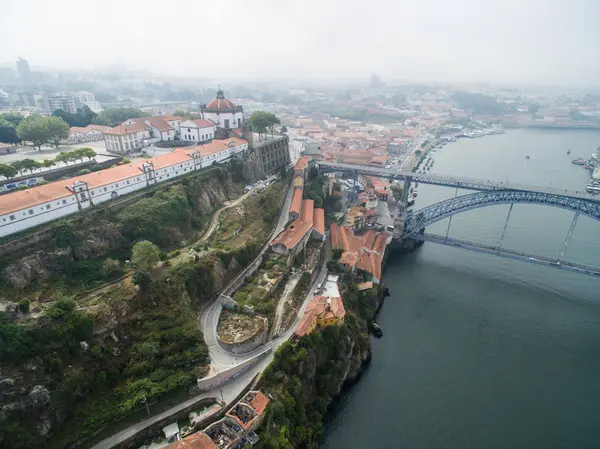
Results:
x,y
516,41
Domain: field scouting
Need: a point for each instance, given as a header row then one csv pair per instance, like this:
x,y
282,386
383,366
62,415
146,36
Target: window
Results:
x,y
116,185
189,130
12,218
93,193
64,201
47,206
105,189
128,181
30,211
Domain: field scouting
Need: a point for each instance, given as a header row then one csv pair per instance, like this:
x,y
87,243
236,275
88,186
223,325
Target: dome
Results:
x,y
220,103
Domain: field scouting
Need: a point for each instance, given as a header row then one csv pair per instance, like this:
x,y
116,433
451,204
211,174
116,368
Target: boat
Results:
x,y
527,157
568,151
593,189
376,330
578,161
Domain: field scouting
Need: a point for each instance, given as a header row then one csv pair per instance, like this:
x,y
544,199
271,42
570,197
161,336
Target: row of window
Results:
x,y
116,185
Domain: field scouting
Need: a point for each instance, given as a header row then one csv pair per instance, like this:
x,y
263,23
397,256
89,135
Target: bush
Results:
x,y
23,306
96,352
85,171
142,279
96,167
110,267
175,253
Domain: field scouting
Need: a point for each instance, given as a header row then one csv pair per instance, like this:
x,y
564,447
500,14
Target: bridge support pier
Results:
x,y
568,238
505,226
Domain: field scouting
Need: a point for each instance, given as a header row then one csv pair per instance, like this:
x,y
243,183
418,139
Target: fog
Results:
x,y
507,41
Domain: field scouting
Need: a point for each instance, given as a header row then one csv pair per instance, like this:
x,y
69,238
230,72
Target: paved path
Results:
x,y
287,291
215,218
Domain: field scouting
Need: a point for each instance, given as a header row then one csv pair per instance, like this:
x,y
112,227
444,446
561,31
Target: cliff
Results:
x,y
305,377
68,256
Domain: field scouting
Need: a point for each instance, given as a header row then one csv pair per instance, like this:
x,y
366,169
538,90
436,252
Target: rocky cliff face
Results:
x,y
37,258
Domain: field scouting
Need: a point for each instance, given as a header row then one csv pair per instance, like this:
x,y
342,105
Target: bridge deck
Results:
x,y
448,181
509,253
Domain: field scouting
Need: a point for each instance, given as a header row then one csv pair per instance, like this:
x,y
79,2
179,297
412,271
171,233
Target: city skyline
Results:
x,y
500,42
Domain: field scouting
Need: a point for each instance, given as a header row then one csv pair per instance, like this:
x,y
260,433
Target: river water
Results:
x,y
481,351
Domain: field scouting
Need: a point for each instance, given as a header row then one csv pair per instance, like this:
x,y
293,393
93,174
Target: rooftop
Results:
x,y
198,440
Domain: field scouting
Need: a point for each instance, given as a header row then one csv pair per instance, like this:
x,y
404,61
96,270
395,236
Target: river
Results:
x,y
480,351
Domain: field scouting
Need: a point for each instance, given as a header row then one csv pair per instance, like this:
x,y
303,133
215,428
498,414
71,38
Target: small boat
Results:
x,y
376,330
527,157
593,189
578,161
568,151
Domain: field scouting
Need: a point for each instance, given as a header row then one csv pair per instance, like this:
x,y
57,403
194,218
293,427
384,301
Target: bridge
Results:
x,y
489,193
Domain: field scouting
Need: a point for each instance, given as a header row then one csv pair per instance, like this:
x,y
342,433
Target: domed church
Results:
x,y
223,112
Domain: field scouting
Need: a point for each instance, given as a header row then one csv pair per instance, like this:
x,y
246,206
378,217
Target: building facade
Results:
x,y
197,130
223,112
25,209
89,133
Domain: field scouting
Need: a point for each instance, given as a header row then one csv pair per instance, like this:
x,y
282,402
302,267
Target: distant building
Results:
x,y
24,72
88,99
65,102
89,133
223,112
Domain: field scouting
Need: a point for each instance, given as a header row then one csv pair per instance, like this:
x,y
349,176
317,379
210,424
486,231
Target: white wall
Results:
x,y
220,118
62,207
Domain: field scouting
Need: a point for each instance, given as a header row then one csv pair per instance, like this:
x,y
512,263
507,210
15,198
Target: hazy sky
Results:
x,y
522,41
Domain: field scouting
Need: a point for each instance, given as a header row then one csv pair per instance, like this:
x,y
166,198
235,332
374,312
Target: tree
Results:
x,y
284,129
17,165
8,132
29,164
142,279
47,163
145,255
262,121
8,171
80,153
58,130
15,119
116,116
34,129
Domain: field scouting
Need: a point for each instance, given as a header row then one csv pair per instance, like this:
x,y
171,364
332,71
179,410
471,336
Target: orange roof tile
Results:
x,y
126,129
260,402
291,236
296,205
201,123
302,163
307,214
198,440
308,320
348,258
319,220
87,129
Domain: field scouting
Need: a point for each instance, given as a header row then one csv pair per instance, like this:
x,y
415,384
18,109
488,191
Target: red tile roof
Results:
x,y
320,307
260,402
319,220
302,163
308,320
201,123
198,440
87,129
307,214
291,236
296,205
126,129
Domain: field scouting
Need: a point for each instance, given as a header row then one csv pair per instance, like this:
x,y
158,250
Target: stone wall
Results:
x,y
210,382
249,344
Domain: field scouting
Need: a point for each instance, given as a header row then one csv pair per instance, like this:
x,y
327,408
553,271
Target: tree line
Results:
x,y
21,166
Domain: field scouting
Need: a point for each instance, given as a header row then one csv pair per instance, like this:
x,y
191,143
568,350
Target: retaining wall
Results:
x,y
250,344
210,382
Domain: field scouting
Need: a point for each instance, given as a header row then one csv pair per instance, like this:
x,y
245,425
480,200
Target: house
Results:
x,y
301,167
126,139
293,239
199,130
296,204
355,217
323,311
28,208
88,133
157,127
363,254
198,440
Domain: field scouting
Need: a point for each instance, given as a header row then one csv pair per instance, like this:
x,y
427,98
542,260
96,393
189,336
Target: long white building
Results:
x,y
32,207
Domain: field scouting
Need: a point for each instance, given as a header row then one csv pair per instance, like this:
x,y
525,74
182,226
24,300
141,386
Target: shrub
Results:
x,y
141,278
85,171
110,267
23,306
96,352
96,167
175,253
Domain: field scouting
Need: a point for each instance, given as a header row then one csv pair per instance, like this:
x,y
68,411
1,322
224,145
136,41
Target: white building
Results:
x,y
125,139
25,209
89,133
197,130
223,112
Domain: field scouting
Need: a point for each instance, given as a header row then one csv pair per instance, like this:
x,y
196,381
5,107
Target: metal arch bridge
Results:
x,y
490,193
443,180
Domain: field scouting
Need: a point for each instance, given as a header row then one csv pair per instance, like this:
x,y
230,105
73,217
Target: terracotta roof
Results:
x,y
126,129
349,258
159,123
368,239
198,440
302,163
291,236
319,220
260,402
87,129
220,104
201,123
308,320
171,118
307,214
296,205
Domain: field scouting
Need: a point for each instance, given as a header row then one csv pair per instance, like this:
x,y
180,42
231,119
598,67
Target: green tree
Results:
x,y
142,279
145,255
15,119
116,116
8,132
29,164
58,130
262,121
35,129
8,171
47,163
